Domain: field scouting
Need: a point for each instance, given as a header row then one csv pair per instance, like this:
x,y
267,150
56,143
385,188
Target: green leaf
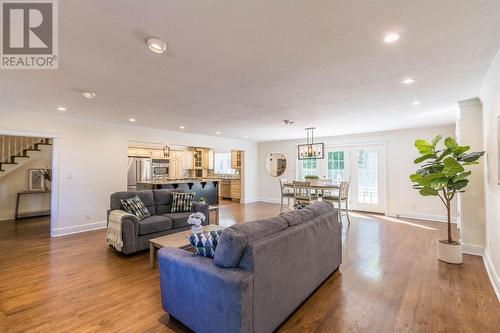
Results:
x,y
439,183
416,178
452,167
436,140
459,150
423,158
424,147
461,176
426,191
458,185
444,153
449,142
471,157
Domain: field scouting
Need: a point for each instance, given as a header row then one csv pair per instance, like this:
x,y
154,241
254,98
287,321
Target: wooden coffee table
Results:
x,y
178,240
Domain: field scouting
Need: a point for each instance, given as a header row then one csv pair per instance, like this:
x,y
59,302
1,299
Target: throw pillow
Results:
x,y
205,243
136,207
182,202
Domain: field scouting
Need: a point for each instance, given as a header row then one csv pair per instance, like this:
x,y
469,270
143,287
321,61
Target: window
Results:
x,y
222,163
309,168
336,165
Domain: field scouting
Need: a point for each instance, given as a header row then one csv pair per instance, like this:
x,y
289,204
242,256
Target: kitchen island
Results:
x,y
207,188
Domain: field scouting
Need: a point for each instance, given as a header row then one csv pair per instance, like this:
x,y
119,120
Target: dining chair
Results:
x,y
321,193
341,197
303,193
285,193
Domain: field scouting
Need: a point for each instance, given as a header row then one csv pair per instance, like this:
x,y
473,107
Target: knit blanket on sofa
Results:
x,y
114,232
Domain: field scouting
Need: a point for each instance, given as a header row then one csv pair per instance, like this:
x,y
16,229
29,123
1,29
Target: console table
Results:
x,y
19,216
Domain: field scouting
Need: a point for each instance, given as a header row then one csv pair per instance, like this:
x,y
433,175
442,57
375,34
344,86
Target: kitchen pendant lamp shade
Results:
x,y
311,150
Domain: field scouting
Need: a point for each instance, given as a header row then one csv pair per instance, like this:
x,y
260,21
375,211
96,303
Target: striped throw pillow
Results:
x,y
136,207
182,202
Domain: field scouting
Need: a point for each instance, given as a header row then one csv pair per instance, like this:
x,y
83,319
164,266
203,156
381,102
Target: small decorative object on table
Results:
x,y
196,219
202,200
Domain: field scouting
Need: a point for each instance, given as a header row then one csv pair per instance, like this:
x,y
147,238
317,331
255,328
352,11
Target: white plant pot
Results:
x,y
450,253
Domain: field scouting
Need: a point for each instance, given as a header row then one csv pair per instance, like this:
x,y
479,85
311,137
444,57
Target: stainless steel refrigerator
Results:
x,y
139,169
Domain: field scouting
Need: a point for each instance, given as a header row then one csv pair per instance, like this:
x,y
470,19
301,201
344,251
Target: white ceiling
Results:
x,y
241,67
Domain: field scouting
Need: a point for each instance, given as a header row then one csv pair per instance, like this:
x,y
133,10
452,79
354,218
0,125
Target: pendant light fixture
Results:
x,y
166,151
311,150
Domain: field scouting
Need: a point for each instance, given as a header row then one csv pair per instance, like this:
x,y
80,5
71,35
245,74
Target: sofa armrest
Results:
x,y
130,232
203,296
202,208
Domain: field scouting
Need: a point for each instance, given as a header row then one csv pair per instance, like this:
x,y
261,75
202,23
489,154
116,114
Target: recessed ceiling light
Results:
x,y
391,38
89,94
61,108
218,133
408,80
415,103
132,120
181,127
245,137
156,45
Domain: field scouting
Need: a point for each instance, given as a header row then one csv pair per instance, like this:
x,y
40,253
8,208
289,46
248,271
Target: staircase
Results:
x,y
16,151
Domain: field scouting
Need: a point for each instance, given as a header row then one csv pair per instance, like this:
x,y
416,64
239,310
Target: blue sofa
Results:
x,y
262,271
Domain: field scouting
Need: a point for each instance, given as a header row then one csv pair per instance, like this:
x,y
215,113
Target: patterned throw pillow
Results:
x,y
205,243
182,202
136,207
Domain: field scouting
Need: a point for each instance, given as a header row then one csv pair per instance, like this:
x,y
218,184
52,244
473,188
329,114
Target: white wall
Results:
x,y
472,208
17,181
402,200
490,96
92,162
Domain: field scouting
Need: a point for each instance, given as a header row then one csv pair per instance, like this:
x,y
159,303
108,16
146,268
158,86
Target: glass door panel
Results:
x,y
337,168
367,178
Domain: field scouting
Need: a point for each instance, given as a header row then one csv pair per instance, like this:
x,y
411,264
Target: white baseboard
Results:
x,y
270,200
418,216
58,232
492,273
472,249
250,200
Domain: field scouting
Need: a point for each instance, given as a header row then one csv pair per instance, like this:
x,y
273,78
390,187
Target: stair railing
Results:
x,y
15,145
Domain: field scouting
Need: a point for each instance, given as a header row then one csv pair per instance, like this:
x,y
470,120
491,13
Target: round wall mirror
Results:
x,y
276,164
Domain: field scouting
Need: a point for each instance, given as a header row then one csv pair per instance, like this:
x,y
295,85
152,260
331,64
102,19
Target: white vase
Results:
x,y
196,229
450,253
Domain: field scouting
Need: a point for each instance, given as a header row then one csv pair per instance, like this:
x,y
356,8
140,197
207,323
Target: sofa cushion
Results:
x,y
236,238
182,202
146,196
154,224
295,217
136,207
179,220
205,243
163,200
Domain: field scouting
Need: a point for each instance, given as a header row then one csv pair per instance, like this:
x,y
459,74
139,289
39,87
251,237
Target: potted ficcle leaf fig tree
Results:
x,y
442,173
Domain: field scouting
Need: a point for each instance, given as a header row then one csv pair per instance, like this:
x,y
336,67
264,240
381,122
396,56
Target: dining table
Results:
x,y
318,186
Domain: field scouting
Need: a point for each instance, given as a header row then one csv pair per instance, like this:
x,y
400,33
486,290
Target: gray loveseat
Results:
x,y
136,234
262,271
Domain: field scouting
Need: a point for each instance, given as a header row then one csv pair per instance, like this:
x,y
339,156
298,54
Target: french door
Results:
x,y
364,167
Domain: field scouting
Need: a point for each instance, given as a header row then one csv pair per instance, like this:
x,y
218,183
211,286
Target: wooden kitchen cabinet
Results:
x,y
236,159
236,189
139,152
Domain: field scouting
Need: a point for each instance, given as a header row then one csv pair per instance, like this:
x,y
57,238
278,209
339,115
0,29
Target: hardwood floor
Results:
x,y
389,281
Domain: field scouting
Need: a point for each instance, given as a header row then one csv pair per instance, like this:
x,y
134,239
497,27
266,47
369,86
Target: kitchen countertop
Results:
x,y
179,181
